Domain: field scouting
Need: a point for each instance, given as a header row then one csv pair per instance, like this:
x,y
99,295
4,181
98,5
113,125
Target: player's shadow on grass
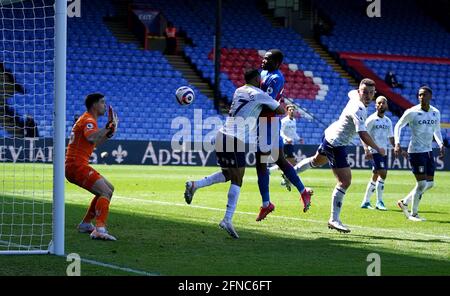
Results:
x,y
174,245
438,221
390,238
190,244
422,212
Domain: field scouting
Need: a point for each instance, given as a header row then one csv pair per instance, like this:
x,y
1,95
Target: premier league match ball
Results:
x,y
185,95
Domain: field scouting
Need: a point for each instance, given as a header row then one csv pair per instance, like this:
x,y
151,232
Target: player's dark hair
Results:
x,y
367,82
277,55
91,99
250,74
425,87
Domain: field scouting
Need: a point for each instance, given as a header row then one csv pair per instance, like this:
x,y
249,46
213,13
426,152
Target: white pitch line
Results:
x,y
93,262
112,266
393,231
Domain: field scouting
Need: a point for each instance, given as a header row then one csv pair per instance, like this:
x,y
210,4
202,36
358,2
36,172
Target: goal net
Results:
x,y
28,126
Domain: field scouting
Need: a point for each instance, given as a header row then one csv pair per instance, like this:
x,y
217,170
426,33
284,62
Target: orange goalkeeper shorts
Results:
x,y
82,175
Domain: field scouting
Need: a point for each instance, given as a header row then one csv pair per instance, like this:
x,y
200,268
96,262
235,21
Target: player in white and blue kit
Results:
x,y
379,127
239,128
424,121
272,82
333,148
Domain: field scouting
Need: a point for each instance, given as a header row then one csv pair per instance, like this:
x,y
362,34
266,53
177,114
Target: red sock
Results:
x,y
101,211
90,214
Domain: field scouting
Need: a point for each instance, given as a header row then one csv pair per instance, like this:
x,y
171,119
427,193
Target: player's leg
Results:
x,y
232,164
418,165
315,161
380,189
337,159
431,168
291,175
343,177
218,177
263,185
370,189
104,190
192,186
424,182
86,225
85,177
289,155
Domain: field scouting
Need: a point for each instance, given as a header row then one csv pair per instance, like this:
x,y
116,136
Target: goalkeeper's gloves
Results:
x,y
113,121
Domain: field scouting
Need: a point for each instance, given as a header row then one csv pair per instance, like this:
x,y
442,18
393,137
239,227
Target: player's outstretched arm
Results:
x,y
366,138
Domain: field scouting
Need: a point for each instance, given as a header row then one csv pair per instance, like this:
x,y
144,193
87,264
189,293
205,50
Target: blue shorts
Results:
x,y
422,163
265,139
379,162
230,157
289,150
337,156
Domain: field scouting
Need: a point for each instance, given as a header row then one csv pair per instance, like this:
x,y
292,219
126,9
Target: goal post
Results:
x,y
59,127
32,124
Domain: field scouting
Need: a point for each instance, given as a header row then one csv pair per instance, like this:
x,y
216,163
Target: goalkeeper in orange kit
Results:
x,y
85,136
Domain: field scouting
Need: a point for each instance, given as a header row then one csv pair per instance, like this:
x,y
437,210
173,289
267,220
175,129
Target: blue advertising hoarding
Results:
x,y
121,152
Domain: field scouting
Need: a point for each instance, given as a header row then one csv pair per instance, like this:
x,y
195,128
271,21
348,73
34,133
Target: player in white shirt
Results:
x,y
337,136
288,133
238,129
379,127
424,121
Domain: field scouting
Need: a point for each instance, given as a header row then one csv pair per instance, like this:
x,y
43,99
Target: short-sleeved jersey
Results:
x,y
247,104
80,149
380,129
289,129
423,125
272,83
351,121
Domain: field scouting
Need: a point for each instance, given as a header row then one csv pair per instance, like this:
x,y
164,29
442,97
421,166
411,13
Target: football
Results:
x,y
185,95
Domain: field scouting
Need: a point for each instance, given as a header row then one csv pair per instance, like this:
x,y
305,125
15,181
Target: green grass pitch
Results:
x,y
159,234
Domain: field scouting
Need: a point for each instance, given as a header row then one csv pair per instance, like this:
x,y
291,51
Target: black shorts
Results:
x,y
422,163
230,151
379,162
337,155
289,150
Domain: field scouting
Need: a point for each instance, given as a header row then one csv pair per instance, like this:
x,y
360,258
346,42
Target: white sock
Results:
x,y
408,198
430,185
337,200
369,191
233,196
217,177
380,189
265,204
273,168
304,164
418,191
